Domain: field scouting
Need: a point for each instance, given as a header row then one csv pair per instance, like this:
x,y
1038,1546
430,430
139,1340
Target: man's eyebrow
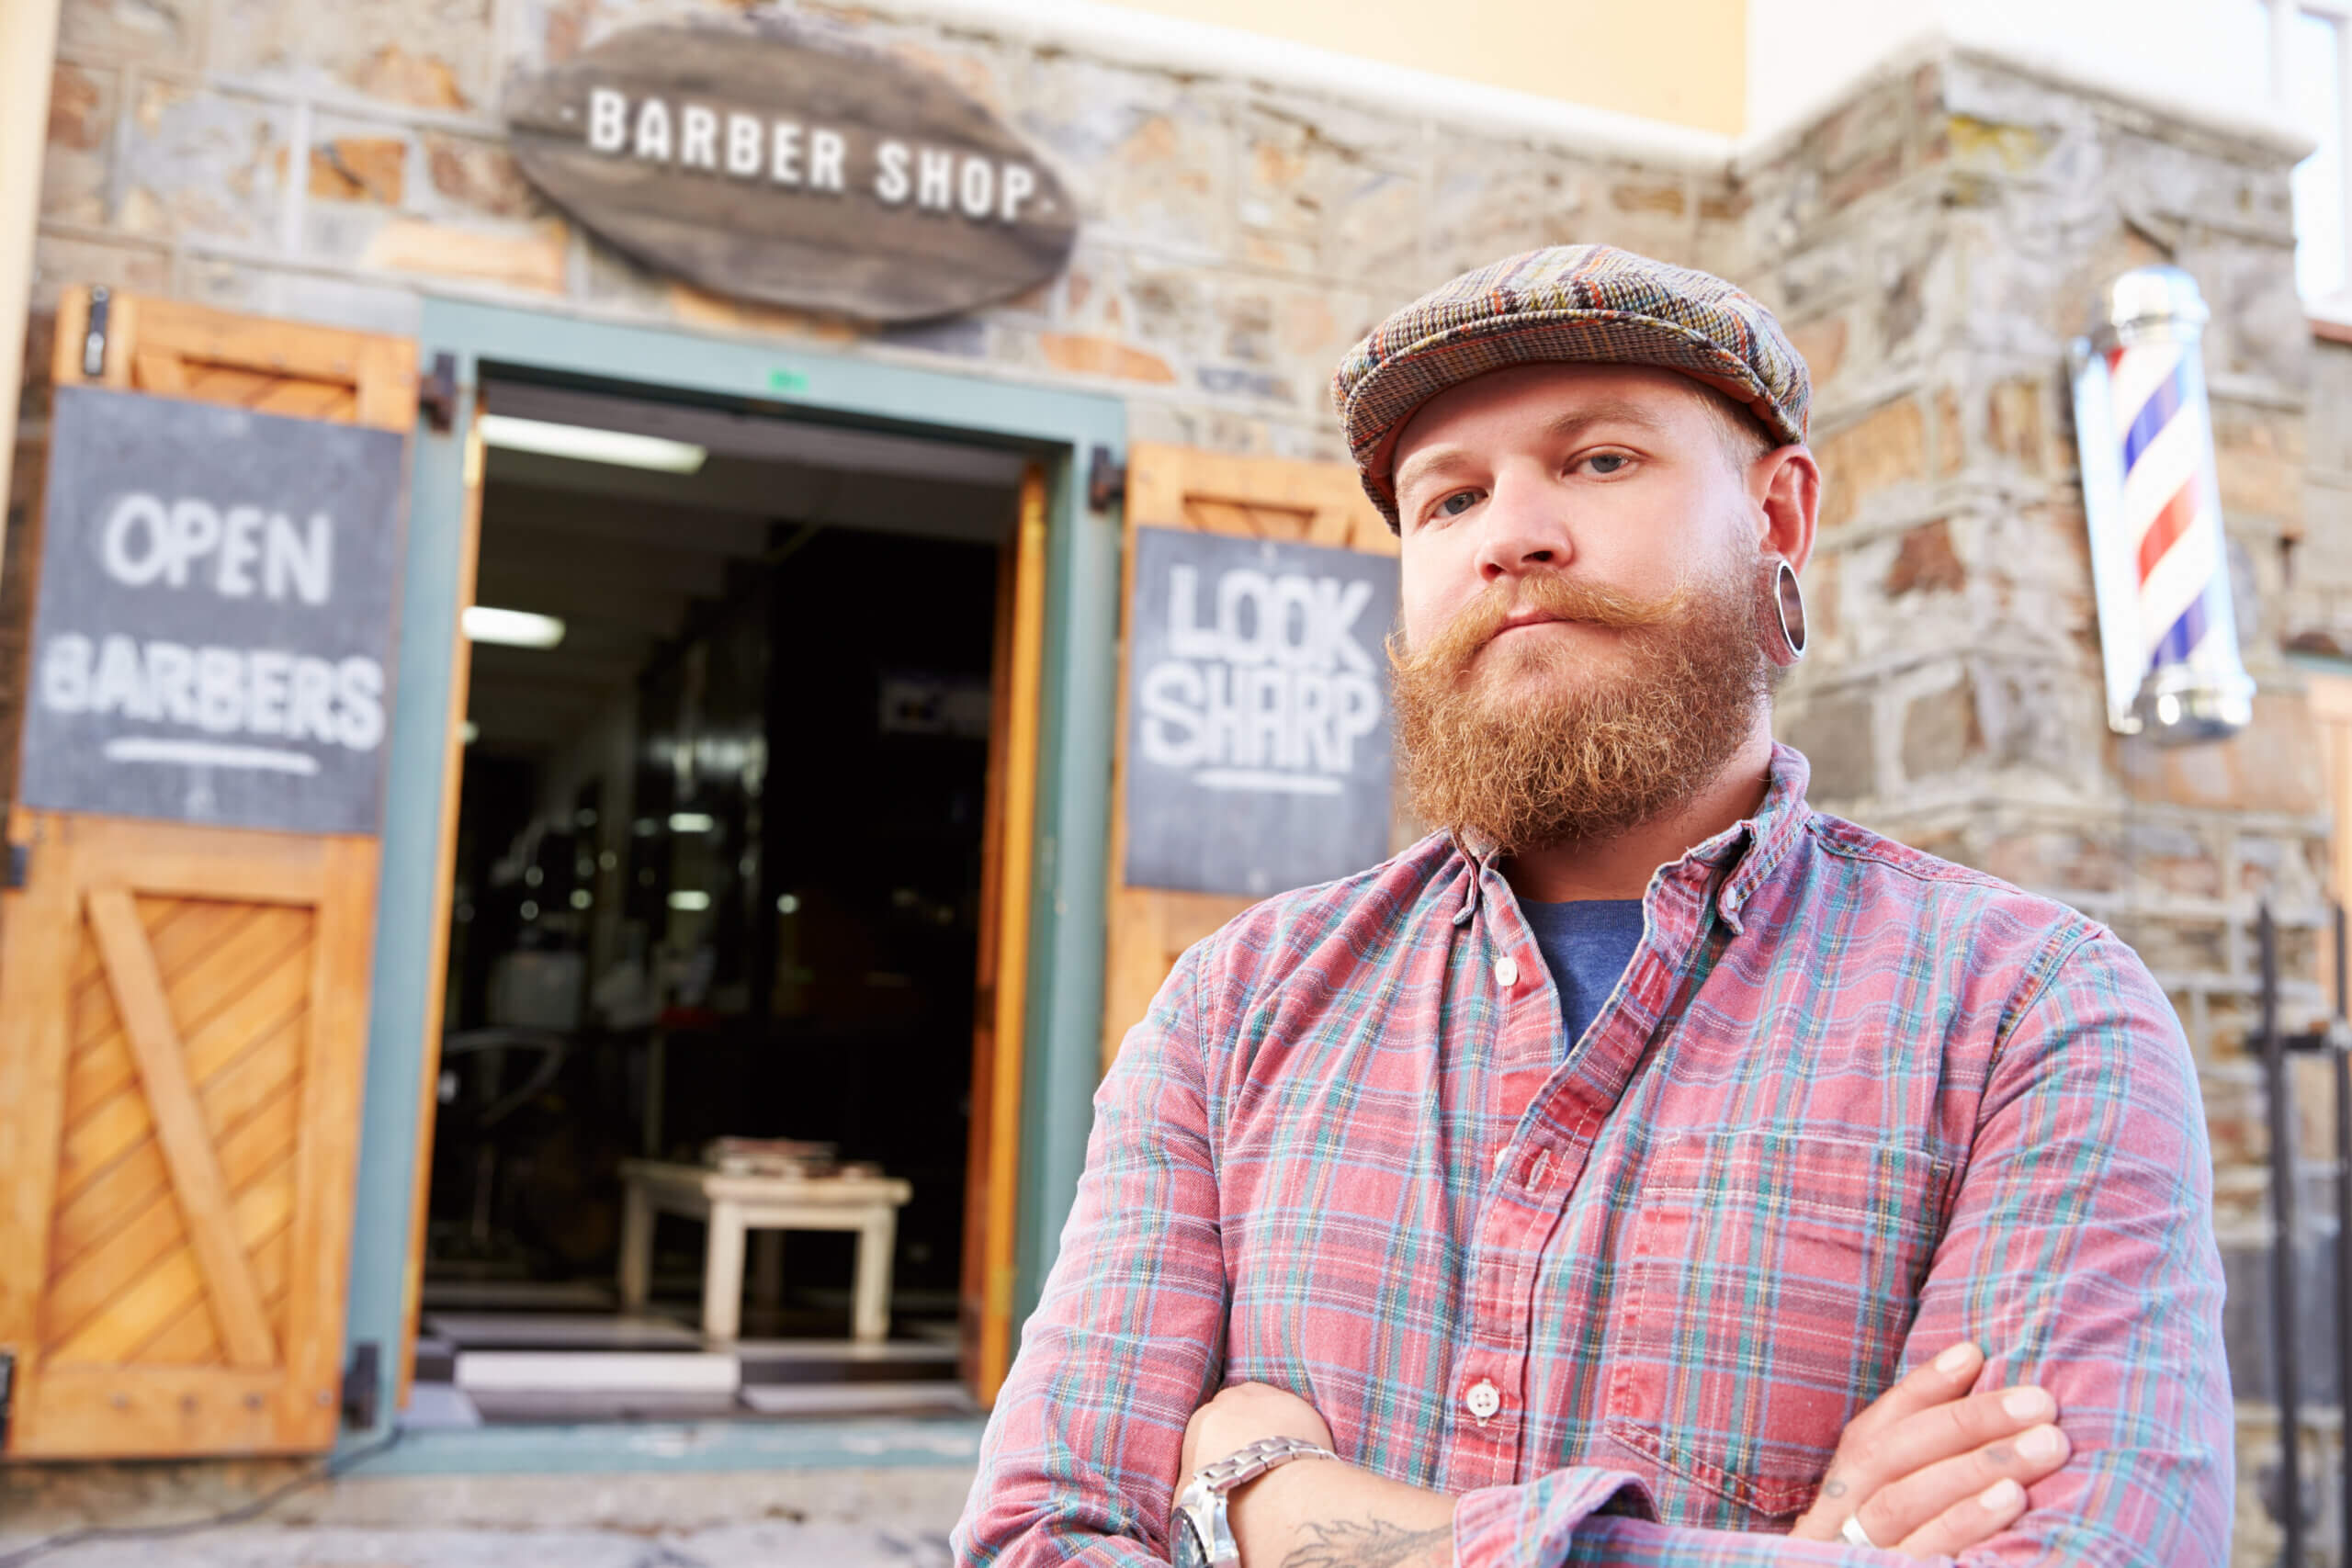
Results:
x,y
1567,426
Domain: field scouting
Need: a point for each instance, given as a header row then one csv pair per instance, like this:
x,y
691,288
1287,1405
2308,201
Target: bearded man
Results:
x,y
1646,1169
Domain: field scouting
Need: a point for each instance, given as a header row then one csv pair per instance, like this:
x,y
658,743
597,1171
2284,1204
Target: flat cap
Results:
x,y
1565,302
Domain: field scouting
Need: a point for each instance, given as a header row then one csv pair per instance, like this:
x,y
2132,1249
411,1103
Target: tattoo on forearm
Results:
x,y
1373,1543
1833,1487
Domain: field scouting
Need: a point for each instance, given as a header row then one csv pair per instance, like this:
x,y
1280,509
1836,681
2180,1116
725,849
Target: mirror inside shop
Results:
x,y
715,920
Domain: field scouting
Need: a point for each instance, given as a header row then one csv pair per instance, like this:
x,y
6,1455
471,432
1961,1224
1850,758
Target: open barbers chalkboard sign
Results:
x,y
213,637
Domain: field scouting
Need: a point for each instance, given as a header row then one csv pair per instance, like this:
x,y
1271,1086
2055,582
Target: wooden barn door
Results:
x,y
1261,498
183,1018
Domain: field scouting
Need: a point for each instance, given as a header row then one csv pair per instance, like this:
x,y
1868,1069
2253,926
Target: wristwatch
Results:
x,y
1198,1534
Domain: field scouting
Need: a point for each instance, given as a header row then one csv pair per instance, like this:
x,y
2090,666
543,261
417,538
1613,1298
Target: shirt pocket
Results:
x,y
1769,1281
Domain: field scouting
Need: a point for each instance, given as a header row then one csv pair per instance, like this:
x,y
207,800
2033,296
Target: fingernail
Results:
x,y
1956,1358
2001,1496
2027,1403
2041,1443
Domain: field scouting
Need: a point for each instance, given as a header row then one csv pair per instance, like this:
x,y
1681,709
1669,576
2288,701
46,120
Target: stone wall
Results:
x,y
1932,245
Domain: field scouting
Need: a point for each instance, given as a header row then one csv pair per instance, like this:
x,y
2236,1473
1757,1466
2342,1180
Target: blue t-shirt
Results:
x,y
1587,943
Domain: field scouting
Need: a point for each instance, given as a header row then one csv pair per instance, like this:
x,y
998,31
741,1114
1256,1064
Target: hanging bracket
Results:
x,y
436,394
1106,479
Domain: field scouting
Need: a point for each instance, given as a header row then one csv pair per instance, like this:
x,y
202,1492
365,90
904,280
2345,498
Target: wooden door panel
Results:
x,y
182,1015
1261,498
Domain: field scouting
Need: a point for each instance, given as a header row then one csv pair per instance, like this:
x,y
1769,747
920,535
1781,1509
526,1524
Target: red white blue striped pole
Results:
x,y
2168,627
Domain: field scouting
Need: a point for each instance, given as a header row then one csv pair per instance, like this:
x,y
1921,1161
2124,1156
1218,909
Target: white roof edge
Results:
x,y
2271,131
1180,46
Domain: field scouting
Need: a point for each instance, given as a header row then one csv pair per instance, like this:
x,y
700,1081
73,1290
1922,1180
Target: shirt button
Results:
x,y
1506,971
1483,1400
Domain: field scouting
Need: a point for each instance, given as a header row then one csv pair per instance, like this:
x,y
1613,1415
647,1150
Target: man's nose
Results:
x,y
1525,528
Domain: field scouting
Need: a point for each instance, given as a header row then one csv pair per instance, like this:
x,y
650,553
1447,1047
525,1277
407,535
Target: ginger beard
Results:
x,y
1536,742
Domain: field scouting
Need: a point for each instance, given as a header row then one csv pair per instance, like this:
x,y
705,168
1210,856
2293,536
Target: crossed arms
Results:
x,y
2078,1252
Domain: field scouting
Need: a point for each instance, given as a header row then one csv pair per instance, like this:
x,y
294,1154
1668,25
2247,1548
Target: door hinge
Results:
x,y
1106,479
436,394
362,1385
94,337
7,1393
19,867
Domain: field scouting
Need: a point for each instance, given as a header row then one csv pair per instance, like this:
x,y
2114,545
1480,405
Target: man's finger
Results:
x,y
1920,1498
1970,1522
1932,1382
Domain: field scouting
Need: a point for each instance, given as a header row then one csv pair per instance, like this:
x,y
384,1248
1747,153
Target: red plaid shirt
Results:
x,y
1847,1105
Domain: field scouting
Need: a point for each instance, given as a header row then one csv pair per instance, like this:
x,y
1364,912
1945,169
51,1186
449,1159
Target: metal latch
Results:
x,y
94,337
19,867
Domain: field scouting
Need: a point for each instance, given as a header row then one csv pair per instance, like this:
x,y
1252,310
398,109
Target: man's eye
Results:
x,y
1454,506
1607,462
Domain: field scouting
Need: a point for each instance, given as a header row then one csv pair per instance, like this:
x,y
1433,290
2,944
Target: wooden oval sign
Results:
x,y
775,163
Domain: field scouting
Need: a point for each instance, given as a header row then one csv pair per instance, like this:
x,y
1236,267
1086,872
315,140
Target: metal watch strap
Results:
x,y
1253,1460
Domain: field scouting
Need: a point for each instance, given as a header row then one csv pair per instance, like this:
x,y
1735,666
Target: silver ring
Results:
x,y
1855,1534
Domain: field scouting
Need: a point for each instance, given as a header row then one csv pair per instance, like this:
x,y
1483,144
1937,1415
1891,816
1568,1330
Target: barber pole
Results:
x,y
2168,628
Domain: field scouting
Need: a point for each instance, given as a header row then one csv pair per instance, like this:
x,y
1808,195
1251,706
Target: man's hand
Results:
x,y
1241,1415
1930,1468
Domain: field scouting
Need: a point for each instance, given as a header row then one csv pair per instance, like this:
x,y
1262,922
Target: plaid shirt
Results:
x,y
1847,1105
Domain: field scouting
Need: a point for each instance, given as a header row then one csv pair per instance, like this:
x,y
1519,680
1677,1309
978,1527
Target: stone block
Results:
x,y
1487,202
477,178
1925,563
2329,432
2273,764
198,163
74,164
2058,862
701,309
1941,731
1951,447
1083,356
1837,737
157,32
1821,342
436,54
129,265
2016,424
529,257
2259,457
1885,448
360,168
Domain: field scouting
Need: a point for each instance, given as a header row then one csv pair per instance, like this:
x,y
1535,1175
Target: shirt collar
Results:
x,y
1740,857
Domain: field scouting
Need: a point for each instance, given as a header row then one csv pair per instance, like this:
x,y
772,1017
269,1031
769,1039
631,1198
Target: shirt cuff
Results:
x,y
1531,1526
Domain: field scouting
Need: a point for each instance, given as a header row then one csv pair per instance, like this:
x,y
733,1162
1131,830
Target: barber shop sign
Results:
x,y
783,162
1257,752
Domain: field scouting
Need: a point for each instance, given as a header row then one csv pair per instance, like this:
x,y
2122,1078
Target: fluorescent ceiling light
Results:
x,y
689,900
587,444
691,822
512,629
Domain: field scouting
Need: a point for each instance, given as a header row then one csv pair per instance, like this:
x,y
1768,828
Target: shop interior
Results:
x,y
718,876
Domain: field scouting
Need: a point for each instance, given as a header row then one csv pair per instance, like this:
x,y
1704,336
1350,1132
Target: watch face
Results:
x,y
1189,1551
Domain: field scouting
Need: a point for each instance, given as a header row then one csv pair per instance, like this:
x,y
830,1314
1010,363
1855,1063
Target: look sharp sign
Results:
x,y
215,619
1258,728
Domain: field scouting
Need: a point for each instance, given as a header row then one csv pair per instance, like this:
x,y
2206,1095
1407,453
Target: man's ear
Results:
x,y
1785,485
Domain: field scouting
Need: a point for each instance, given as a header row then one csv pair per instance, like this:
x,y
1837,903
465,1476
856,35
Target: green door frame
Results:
x,y
1063,429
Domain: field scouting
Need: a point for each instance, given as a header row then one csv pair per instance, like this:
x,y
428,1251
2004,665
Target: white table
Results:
x,y
734,1204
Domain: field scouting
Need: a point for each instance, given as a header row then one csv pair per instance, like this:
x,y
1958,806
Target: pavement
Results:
x,y
896,1518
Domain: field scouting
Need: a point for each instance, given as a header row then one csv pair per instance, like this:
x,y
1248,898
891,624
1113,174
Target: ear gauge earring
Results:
x,y
1780,612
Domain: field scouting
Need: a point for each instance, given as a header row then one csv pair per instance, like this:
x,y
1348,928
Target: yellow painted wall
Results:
x,y
1684,61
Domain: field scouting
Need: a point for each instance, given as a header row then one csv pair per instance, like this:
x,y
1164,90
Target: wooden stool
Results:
x,y
733,1204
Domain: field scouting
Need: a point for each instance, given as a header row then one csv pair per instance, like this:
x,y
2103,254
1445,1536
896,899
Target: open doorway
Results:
x,y
718,891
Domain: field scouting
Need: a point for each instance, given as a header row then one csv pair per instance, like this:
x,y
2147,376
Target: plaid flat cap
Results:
x,y
1566,302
